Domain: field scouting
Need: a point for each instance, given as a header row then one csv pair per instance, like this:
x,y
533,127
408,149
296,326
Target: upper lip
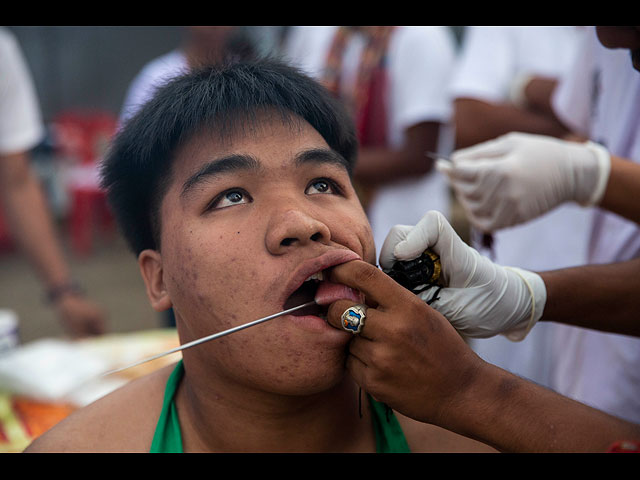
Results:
x,y
316,264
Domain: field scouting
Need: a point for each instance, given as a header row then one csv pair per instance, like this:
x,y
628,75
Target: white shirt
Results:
x,y
21,125
421,60
491,59
153,75
601,99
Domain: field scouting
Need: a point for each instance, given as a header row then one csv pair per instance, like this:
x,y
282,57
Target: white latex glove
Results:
x,y
480,298
519,176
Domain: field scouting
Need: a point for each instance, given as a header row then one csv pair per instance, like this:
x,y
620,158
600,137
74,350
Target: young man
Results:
x,y
233,187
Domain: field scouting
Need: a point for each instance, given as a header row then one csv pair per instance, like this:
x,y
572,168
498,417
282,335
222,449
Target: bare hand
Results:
x,y
80,317
408,355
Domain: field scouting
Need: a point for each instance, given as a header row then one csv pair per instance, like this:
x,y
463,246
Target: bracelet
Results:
x,y
54,294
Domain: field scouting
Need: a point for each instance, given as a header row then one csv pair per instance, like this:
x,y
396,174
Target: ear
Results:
x,y
150,263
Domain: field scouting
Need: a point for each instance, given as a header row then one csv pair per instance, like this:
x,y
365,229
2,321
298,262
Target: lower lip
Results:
x,y
316,324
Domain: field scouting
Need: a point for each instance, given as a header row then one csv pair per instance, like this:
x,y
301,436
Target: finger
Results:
x,y
419,238
337,308
489,149
396,235
469,190
378,288
433,231
462,172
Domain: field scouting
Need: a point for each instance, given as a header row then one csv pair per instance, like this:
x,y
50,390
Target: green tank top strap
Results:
x,y
389,435
168,437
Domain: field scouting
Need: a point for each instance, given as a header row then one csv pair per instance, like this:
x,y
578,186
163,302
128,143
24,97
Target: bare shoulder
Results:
x,y
427,438
122,421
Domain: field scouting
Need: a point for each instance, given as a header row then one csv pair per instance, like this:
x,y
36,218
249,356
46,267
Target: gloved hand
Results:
x,y
517,177
480,298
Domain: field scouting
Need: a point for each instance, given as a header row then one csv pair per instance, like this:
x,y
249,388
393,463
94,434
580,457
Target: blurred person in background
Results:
x,y
394,82
202,45
502,83
599,98
24,204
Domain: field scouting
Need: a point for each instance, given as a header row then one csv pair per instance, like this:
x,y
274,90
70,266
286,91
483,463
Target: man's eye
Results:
x,y
321,186
229,198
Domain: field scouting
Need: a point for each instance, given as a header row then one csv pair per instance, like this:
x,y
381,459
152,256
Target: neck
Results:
x,y
237,419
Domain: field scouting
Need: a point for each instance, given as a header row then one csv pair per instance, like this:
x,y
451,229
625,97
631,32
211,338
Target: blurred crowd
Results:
x,y
417,94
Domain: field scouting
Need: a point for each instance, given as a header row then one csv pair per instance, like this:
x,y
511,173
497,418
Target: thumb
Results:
x,y
424,235
396,235
464,171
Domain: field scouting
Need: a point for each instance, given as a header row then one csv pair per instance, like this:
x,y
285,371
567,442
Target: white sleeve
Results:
x,y
571,99
153,75
485,66
20,119
307,47
421,63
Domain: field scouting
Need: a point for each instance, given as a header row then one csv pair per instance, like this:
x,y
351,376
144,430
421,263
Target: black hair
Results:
x,y
137,168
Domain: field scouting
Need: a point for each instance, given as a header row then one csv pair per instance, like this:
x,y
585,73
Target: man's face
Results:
x,y
244,224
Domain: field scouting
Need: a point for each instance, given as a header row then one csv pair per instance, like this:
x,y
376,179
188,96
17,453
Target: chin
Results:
x,y
304,374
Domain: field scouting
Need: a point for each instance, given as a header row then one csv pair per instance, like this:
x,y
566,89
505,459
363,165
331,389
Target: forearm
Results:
x,y
29,221
622,189
538,93
477,121
601,297
377,166
515,415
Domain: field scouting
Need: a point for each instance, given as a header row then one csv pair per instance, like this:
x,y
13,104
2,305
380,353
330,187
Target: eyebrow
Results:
x,y
242,162
322,155
220,166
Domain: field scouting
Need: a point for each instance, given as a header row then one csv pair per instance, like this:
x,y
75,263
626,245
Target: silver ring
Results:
x,y
353,318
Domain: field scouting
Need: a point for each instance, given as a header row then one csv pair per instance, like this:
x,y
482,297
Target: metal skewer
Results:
x,y
437,156
212,337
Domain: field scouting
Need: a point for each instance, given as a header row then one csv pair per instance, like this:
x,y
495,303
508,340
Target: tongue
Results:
x,y
330,292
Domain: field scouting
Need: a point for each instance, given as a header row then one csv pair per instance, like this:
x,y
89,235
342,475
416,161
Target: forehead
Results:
x,y
273,142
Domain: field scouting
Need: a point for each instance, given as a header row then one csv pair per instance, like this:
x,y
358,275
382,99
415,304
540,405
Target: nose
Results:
x,y
293,228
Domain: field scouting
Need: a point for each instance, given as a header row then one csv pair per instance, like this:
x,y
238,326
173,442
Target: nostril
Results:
x,y
316,236
287,242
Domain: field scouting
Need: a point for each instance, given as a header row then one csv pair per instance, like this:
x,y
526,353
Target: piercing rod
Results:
x,y
212,337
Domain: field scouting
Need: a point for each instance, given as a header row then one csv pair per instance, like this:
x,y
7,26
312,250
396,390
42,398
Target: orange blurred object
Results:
x,y
23,419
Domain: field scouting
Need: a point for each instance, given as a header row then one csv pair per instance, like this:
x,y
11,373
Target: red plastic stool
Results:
x,y
84,137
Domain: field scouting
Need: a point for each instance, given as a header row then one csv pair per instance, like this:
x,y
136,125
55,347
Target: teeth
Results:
x,y
318,276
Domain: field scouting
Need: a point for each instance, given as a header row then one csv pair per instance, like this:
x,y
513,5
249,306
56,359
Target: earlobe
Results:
x,y
150,263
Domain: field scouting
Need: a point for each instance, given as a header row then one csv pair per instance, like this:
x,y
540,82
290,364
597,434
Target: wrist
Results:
x,y
477,406
595,175
58,292
534,293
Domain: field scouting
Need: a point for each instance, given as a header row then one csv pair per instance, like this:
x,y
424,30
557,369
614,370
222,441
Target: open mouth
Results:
x,y
323,292
307,293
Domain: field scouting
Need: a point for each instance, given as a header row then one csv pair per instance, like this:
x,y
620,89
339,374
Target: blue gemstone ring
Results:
x,y
353,318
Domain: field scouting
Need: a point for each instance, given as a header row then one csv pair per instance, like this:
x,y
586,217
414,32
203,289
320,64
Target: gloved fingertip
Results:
x,y
444,166
406,251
